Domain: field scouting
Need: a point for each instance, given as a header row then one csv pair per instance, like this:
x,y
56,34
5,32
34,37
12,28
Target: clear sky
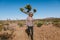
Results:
x,y
9,9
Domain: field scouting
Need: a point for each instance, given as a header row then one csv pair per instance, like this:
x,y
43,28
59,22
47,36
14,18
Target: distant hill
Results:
x,y
23,21
48,19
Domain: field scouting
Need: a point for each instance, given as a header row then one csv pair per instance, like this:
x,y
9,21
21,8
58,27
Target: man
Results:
x,y
29,23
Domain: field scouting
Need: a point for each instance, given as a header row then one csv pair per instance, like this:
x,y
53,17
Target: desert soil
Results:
x,y
45,32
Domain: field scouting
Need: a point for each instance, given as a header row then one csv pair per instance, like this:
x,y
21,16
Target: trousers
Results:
x,y
30,30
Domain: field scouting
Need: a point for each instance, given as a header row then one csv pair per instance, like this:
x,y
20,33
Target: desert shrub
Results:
x,y
1,27
7,34
1,22
39,24
20,24
48,23
7,24
35,23
57,24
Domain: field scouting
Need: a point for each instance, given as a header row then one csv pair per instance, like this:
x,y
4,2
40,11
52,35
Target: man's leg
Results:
x,y
28,31
31,33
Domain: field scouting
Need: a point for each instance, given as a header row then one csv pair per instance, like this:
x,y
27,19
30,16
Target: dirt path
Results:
x,y
20,34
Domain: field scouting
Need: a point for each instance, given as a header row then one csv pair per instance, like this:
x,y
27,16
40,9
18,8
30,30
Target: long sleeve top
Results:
x,y
29,21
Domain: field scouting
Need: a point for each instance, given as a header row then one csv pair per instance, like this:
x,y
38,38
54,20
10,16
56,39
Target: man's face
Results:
x,y
31,15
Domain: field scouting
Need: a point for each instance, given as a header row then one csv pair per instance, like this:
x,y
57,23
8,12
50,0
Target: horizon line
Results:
x,y
34,18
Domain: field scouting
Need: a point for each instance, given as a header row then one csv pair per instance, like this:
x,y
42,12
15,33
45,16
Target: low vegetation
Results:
x,y
56,23
1,27
20,24
39,24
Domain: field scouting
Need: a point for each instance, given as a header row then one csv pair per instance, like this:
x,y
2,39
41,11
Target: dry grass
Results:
x,y
45,32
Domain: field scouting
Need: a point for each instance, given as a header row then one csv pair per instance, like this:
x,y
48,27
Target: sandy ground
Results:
x,y
46,32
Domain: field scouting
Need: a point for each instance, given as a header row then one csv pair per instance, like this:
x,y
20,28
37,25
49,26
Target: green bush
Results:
x,y
39,24
20,24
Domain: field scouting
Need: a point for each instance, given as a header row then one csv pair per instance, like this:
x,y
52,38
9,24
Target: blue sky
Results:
x,y
9,9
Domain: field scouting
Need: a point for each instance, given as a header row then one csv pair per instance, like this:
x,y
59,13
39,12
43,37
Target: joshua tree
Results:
x,y
27,9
